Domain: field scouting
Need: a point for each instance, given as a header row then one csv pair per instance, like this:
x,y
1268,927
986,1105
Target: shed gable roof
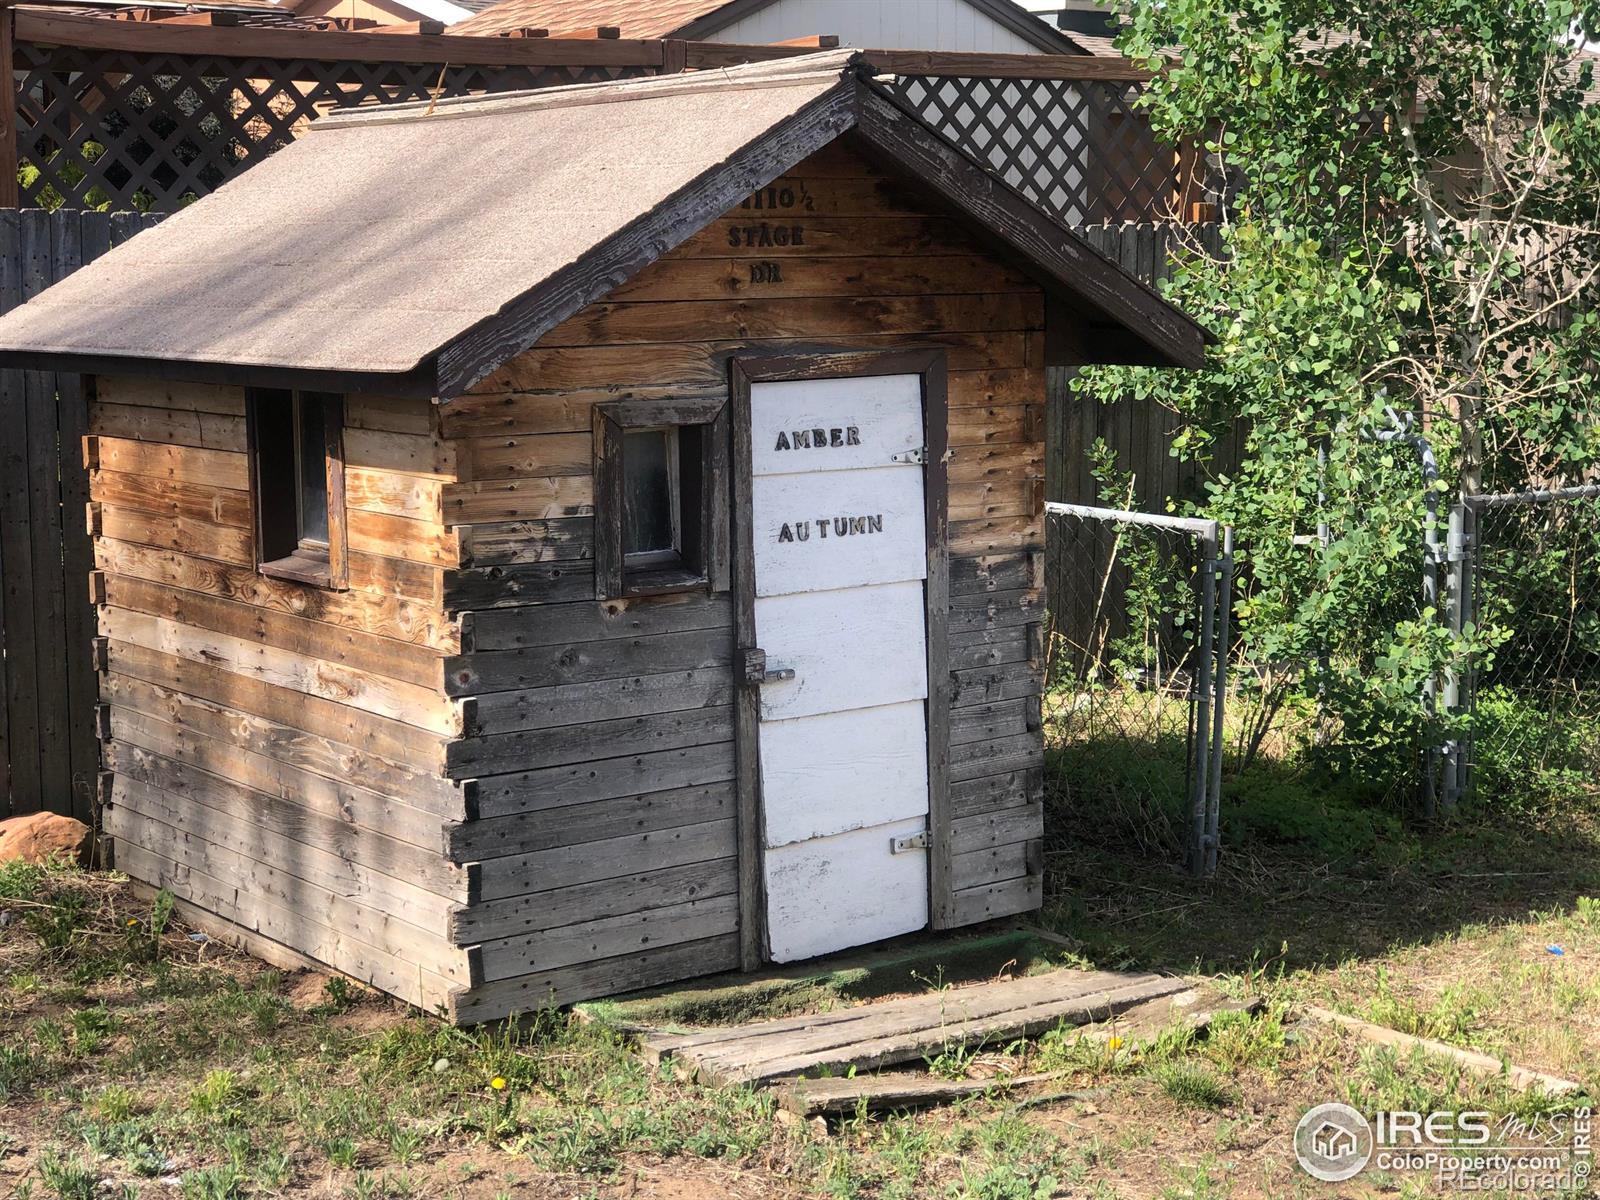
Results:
x,y
419,247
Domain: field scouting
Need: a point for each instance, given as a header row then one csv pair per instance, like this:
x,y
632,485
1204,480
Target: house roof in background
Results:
x,y
635,18
700,20
428,243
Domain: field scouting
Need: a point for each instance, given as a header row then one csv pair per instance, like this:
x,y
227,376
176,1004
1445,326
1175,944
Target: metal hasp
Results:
x,y
753,668
919,455
916,841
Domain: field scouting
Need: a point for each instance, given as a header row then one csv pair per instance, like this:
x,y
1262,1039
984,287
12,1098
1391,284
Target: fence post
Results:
x,y
1457,679
1219,701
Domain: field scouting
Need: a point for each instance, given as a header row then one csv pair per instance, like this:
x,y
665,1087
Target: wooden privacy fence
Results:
x,y
49,750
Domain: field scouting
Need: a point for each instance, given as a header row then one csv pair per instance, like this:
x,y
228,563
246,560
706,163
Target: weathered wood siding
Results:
x,y
275,751
600,741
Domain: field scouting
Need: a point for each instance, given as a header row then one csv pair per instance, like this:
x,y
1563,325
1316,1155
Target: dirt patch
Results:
x,y
692,1179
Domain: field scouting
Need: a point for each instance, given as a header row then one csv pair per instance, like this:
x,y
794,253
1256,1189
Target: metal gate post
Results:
x,y
1219,700
1200,805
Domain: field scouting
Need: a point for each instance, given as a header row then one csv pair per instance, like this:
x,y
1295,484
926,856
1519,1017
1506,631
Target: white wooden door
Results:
x,y
840,543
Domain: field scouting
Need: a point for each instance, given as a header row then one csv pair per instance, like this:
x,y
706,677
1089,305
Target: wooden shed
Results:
x,y
560,543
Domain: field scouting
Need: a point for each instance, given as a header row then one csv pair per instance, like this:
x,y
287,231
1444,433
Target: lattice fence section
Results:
x,y
151,132
1077,147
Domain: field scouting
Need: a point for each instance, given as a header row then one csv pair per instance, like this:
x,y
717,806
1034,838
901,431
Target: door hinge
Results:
x,y
919,455
916,841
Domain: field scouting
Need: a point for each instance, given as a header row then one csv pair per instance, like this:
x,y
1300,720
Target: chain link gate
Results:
x,y
1136,670
1524,574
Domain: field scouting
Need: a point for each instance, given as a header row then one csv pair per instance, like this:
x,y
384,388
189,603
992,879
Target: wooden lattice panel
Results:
x,y
153,131
1076,147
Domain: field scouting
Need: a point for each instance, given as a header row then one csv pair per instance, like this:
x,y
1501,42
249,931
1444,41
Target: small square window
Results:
x,y
656,513
297,484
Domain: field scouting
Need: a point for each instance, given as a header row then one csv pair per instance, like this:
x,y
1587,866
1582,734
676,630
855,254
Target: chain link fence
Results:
x,y
1133,714
1525,575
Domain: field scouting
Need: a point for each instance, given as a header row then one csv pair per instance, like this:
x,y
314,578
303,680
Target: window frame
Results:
x,y
702,526
280,551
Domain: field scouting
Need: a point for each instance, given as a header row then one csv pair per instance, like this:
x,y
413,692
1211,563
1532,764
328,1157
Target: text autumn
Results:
x,y
800,531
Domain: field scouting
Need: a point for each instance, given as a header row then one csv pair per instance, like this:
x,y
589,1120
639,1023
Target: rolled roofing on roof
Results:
x,y
373,240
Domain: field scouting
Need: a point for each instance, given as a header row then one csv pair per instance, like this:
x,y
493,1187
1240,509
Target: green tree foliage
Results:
x,y
1417,229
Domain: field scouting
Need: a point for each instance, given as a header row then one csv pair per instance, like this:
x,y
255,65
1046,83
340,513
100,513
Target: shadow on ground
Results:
x,y
1269,907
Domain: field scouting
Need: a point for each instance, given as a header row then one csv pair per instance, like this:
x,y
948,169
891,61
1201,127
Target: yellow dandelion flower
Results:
x,y
1114,1043
498,1083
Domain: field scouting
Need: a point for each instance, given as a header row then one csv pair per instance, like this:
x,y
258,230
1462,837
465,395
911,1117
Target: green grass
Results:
x,y
1194,1085
125,1059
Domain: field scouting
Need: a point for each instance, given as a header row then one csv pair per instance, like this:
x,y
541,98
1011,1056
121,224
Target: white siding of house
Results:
x,y
879,24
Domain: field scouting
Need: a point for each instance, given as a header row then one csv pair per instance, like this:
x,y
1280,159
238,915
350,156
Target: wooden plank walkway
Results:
x,y
870,1036
1192,1009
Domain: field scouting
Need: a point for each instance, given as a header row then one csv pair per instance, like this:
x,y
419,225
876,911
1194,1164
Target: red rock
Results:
x,y
35,837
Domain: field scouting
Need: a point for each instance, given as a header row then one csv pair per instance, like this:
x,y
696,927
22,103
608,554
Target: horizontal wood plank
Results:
x,y
349,937
348,725
185,464
603,700
426,804
587,661
607,937
271,628
572,827
529,751
582,782
589,621
414,705
600,977
171,499
622,324
207,430
183,765
636,891
383,615
222,814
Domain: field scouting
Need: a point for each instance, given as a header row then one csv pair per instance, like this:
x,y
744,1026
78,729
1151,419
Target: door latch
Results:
x,y
902,845
919,455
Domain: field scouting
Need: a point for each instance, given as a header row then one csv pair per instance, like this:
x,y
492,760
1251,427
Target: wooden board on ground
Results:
x,y
890,1092
907,1029
1192,1009
1521,1078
